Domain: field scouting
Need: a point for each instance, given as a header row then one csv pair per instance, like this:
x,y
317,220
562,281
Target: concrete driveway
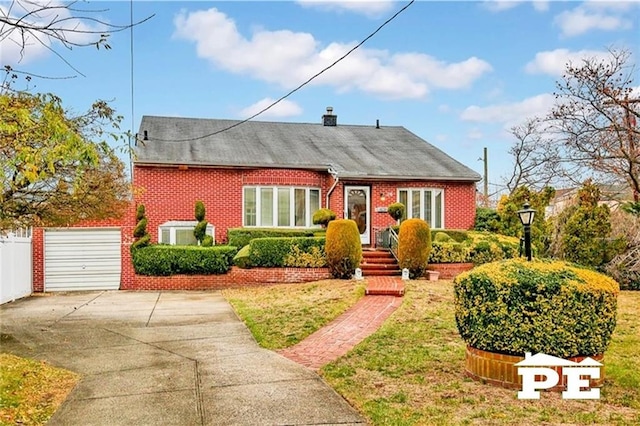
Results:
x,y
165,358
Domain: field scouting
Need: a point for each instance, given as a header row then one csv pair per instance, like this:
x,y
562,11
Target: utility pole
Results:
x,y
486,178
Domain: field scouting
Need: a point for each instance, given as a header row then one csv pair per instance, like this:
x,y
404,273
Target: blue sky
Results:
x,y
458,74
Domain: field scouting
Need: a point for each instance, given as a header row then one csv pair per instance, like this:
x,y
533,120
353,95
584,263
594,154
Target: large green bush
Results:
x,y
343,248
414,246
477,248
240,237
487,220
274,252
164,260
514,306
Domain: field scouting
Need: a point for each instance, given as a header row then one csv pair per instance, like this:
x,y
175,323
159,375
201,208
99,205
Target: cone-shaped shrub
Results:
x,y
343,248
414,246
514,306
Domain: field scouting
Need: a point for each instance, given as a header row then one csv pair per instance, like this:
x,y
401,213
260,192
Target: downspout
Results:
x,y
336,179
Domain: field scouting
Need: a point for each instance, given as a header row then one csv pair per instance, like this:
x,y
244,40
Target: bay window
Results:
x,y
279,206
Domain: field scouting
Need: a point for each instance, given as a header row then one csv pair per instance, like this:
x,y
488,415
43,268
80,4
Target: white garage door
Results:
x,y
82,259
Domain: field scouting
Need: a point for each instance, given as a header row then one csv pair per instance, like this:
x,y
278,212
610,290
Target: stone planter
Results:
x,y
500,370
432,275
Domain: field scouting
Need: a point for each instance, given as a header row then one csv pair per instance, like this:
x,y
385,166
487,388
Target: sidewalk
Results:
x,y
357,323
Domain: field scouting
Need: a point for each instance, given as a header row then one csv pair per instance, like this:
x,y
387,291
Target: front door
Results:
x,y
358,208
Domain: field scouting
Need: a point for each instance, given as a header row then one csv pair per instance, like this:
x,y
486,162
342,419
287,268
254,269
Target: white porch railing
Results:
x,y
15,265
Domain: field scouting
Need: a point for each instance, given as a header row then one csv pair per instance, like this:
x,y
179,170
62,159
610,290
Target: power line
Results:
x,y
294,90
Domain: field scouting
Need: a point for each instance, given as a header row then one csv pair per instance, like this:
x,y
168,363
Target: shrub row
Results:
x,y
478,248
240,237
514,306
164,260
282,251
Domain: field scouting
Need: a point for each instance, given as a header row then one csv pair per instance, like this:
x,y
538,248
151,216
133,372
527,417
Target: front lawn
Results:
x,y
410,372
31,391
280,316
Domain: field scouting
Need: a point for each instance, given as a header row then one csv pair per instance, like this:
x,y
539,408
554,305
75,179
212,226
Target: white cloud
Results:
x,y
554,62
16,51
500,5
541,5
510,114
372,9
289,58
595,15
284,108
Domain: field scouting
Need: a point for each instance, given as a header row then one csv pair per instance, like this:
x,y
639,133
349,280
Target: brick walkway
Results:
x,y
342,334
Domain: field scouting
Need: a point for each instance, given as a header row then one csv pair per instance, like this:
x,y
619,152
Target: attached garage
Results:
x,y
82,259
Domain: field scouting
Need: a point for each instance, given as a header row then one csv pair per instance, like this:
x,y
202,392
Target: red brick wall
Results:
x,y
236,277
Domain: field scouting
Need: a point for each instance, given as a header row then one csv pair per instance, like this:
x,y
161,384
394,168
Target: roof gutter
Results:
x,y
336,179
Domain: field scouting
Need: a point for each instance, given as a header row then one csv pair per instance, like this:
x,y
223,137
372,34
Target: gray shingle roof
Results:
x,y
353,151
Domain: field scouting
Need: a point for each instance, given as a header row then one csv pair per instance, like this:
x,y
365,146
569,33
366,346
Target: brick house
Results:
x,y
270,174
267,174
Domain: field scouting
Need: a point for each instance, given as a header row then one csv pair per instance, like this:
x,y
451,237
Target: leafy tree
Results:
x,y
487,219
52,171
582,230
510,224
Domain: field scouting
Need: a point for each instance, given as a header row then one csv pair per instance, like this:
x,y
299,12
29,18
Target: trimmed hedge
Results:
x,y
514,306
240,237
241,259
276,252
478,248
164,260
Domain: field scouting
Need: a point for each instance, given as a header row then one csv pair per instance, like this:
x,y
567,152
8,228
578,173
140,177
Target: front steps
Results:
x,y
379,263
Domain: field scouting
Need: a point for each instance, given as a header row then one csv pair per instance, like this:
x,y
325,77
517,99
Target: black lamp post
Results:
x,y
526,216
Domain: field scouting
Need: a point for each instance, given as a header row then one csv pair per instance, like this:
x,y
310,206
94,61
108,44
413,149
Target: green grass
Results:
x,y
410,372
280,316
31,391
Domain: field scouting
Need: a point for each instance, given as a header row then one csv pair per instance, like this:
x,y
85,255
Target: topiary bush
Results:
x,y
396,211
441,237
414,246
343,248
323,217
514,306
241,259
200,230
142,237
163,260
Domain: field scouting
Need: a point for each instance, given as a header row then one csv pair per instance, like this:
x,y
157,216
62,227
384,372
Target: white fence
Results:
x,y
15,265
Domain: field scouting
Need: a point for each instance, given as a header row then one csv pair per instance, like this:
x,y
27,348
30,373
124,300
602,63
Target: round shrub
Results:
x,y
323,217
414,246
343,248
199,211
396,211
514,306
442,237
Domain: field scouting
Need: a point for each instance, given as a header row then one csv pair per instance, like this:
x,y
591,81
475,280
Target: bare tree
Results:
x,y
537,161
47,24
595,118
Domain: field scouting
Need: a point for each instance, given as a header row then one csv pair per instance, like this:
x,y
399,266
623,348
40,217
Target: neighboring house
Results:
x,y
611,195
257,174
269,174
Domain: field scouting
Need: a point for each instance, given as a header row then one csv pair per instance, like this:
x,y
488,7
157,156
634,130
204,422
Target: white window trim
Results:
x,y
182,225
292,213
434,192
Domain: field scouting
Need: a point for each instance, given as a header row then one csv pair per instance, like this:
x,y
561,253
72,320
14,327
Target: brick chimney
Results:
x,y
329,119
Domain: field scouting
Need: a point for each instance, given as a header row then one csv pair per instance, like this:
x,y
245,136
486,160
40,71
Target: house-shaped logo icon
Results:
x,y
543,365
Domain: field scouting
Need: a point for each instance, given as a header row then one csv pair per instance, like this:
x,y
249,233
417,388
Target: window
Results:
x,y
423,203
280,206
180,233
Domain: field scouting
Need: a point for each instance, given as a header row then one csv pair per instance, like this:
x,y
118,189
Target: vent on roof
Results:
x,y
329,119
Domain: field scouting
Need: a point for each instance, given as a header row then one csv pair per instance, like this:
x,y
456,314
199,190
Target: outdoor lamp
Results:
x,y
526,216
